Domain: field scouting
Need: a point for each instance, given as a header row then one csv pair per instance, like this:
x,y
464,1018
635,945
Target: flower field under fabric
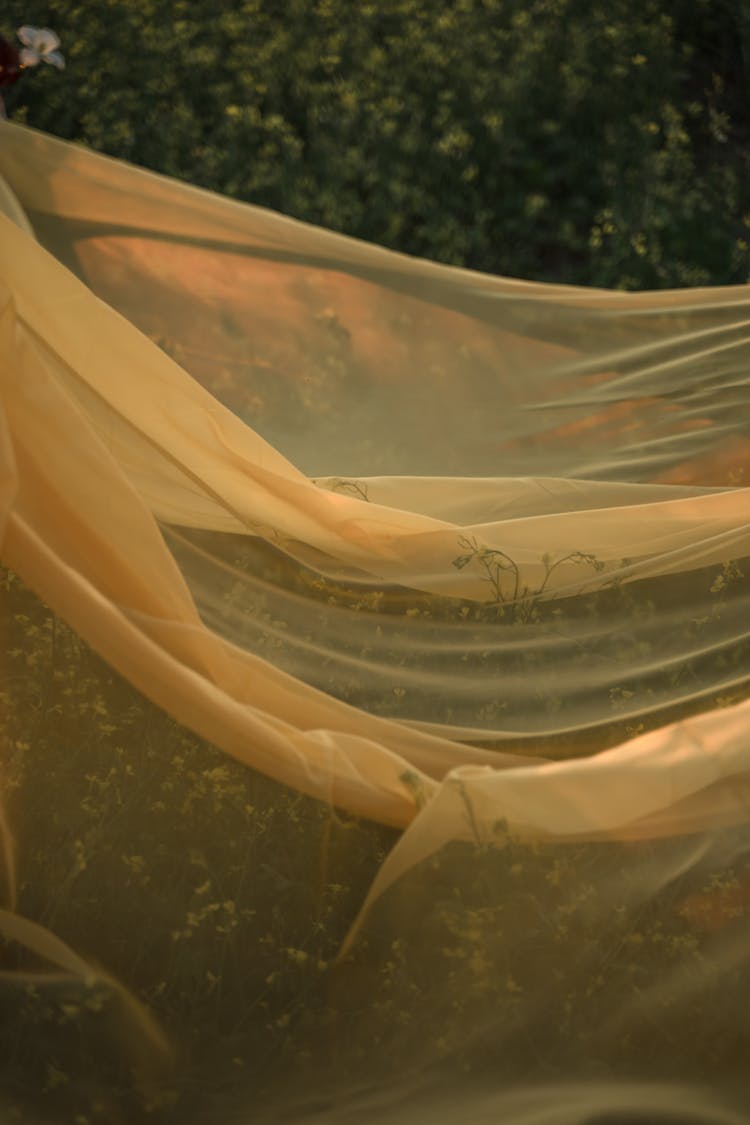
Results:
x,y
221,901
221,898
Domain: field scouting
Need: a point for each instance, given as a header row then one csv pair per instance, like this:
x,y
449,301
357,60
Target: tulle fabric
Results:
x,y
460,555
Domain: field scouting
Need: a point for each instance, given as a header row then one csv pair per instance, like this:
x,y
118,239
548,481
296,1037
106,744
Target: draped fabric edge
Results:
x,y
190,673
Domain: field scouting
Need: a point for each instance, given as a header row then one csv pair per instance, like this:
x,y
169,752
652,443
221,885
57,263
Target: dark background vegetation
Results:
x,y
596,142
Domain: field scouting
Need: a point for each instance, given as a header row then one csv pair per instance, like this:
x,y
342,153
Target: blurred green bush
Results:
x,y
585,141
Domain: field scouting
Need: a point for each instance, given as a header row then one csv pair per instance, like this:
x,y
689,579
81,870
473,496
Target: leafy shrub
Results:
x,y
581,141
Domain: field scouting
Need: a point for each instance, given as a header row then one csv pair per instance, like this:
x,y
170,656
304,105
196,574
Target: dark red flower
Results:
x,y
10,66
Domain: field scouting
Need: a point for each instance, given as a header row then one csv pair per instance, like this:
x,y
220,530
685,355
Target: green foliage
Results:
x,y
585,141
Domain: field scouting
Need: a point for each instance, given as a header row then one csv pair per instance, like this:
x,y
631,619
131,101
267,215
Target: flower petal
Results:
x,y
55,58
26,35
46,41
29,57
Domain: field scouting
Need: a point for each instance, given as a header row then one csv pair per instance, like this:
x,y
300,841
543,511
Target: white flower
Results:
x,y
39,45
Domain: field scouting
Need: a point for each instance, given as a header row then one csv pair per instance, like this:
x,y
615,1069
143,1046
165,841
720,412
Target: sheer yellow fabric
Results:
x,y
462,555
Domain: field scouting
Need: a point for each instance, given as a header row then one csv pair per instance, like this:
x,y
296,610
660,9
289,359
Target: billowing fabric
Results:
x,y
461,555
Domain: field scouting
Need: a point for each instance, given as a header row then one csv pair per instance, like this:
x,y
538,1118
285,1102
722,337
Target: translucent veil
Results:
x,y
456,555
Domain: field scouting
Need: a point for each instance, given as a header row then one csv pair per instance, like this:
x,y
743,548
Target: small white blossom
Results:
x,y
39,45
